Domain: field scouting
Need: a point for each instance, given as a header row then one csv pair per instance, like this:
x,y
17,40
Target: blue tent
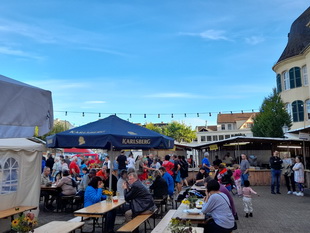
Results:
x,y
108,132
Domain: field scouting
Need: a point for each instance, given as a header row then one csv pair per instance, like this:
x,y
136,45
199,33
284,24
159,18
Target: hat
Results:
x,y
206,154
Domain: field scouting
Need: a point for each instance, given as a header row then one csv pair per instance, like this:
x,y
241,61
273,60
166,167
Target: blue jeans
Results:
x,y
244,177
275,180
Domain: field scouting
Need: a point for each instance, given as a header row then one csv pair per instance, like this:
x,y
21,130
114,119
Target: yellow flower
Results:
x,y
107,192
186,202
15,222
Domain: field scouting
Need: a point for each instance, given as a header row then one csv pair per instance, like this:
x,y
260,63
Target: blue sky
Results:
x,y
146,57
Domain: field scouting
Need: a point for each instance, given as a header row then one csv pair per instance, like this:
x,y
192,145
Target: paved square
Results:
x,y
272,214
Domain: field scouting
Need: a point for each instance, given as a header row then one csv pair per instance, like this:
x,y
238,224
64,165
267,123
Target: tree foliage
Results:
x,y
271,118
155,128
58,127
179,131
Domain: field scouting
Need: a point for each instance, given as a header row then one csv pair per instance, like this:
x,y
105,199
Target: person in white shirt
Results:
x,y
121,180
130,161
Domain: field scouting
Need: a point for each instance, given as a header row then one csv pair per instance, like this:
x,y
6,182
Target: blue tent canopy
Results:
x,y
110,131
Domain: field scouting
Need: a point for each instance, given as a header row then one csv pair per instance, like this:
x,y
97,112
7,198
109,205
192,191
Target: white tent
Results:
x,y
23,107
20,169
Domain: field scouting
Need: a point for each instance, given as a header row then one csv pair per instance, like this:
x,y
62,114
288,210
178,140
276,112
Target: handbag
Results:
x,y
235,227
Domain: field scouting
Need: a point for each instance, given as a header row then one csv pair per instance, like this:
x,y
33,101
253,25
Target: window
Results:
x,y
203,138
221,137
308,109
227,136
249,125
209,138
295,78
298,111
286,80
215,138
223,126
9,180
289,110
229,127
279,87
305,75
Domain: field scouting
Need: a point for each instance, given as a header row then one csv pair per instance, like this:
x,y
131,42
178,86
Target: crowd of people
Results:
x,y
129,176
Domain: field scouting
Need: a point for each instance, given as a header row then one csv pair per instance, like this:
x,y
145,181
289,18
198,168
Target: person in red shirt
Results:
x,y
90,161
74,168
102,173
168,165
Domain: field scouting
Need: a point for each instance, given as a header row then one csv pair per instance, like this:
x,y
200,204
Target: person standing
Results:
x,y
299,175
237,179
50,161
122,161
206,163
191,162
130,161
288,174
244,167
74,168
276,166
247,192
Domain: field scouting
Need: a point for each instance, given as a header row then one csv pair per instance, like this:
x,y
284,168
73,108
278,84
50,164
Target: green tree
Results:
x,y
58,127
151,126
180,132
271,118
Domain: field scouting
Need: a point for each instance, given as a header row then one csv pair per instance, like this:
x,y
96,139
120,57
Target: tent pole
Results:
x,y
111,168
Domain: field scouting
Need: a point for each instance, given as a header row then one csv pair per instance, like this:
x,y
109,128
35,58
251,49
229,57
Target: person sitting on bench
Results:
x,y
141,201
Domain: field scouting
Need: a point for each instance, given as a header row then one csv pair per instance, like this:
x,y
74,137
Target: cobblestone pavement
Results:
x,y
272,214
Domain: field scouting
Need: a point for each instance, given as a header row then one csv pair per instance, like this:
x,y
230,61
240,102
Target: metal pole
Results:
x,y
304,152
111,168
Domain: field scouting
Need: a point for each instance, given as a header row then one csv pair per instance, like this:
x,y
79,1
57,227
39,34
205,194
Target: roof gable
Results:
x,y
234,117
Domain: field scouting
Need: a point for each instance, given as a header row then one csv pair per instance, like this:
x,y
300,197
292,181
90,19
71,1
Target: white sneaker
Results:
x,y
295,193
289,192
300,194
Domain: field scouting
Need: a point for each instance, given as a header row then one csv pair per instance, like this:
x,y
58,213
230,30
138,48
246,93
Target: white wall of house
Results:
x,y
289,95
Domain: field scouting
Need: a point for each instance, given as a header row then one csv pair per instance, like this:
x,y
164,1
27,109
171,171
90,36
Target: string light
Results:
x,y
145,115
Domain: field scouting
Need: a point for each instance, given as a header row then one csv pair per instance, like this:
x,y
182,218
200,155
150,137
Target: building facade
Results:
x,y
228,125
292,71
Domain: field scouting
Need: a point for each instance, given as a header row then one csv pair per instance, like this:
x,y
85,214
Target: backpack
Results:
x,y
74,184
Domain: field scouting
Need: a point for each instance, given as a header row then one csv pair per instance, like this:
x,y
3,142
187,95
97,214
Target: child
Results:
x,y
247,199
237,178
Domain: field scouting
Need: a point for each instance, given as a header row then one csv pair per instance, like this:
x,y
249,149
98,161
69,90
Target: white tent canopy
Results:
x,y
20,169
23,107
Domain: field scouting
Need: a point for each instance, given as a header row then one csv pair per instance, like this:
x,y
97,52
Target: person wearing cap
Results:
x,y
205,163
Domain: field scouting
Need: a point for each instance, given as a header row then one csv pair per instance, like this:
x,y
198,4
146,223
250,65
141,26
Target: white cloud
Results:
x,y
19,53
95,102
62,35
208,34
254,40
